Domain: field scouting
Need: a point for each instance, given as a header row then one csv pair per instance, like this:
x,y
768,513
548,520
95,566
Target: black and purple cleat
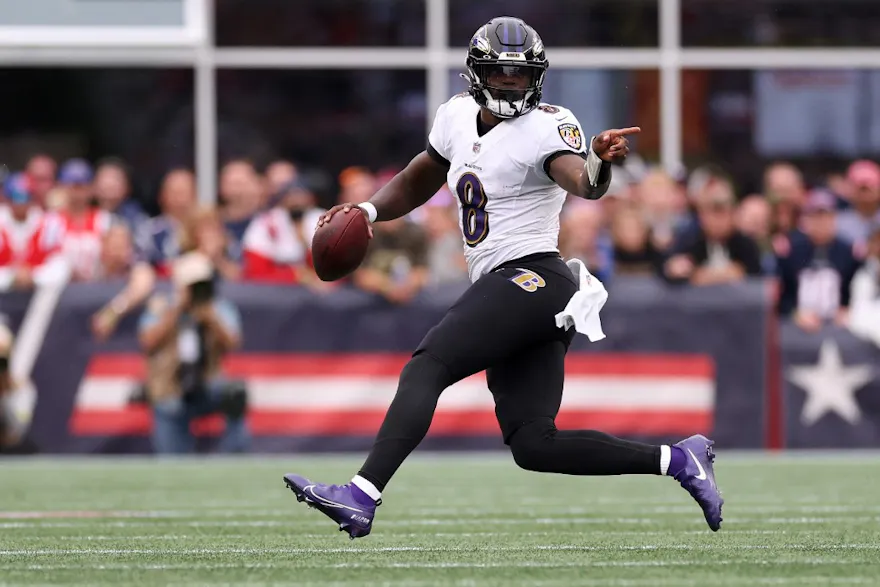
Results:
x,y
337,502
698,477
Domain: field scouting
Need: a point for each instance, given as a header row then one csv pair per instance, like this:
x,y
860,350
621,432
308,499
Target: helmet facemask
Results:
x,y
507,90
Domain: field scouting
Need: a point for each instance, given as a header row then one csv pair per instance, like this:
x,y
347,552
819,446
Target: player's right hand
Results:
x,y
345,209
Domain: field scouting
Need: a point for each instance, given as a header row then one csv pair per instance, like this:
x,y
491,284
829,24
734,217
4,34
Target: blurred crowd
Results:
x,y
77,222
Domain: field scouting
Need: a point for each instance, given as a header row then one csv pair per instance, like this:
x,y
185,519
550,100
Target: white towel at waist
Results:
x,y
582,310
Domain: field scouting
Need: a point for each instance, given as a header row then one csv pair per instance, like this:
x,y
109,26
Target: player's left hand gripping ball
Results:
x,y
612,145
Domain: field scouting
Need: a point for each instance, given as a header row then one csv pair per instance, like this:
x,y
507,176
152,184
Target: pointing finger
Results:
x,y
620,132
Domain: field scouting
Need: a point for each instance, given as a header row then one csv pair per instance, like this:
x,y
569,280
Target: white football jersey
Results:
x,y
509,207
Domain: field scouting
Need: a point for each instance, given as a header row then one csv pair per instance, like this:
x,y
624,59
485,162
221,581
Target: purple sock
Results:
x,y
359,496
677,461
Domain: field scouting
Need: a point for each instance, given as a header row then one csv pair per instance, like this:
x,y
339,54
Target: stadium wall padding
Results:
x,y
322,369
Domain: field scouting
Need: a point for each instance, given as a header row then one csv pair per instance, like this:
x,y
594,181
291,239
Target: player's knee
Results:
x,y
530,443
422,373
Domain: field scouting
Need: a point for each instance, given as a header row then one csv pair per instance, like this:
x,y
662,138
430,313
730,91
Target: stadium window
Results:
x,y
325,119
564,23
779,23
320,23
745,119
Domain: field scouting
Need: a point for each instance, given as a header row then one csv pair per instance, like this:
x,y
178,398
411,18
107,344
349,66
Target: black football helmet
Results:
x,y
506,65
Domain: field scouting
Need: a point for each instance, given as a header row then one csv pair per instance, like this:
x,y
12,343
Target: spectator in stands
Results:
x,y
634,250
446,262
117,253
816,270
840,186
141,278
356,185
159,239
41,171
279,174
84,225
717,252
205,233
665,208
30,240
185,337
753,220
785,190
241,197
701,181
854,224
113,191
158,242
864,304
582,236
277,243
621,193
396,266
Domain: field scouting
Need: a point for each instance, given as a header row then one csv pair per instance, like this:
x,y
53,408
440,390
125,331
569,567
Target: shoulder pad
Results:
x,y
549,114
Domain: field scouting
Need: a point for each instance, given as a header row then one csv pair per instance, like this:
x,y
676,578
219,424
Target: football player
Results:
x,y
510,160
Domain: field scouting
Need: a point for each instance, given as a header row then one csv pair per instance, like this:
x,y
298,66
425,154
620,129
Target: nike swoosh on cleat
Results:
x,y
702,475
323,501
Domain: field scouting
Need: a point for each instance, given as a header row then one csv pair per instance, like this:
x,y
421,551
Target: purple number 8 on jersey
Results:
x,y
474,218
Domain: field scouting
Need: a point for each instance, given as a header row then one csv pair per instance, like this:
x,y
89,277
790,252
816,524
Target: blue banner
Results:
x,y
675,361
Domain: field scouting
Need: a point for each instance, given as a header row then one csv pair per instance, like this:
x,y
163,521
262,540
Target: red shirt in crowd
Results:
x,y
274,247
33,243
83,235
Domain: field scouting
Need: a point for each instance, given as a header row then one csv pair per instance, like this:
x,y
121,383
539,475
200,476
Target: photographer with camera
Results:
x,y
185,337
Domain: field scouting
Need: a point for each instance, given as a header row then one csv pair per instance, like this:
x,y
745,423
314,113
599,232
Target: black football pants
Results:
x,y
505,324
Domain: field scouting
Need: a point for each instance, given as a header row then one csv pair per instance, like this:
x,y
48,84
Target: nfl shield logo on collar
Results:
x,y
477,147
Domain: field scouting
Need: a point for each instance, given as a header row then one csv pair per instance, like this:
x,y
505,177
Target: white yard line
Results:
x,y
431,549
547,510
582,564
655,582
296,523
594,534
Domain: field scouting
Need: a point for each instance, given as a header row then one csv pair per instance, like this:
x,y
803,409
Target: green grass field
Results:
x,y
449,520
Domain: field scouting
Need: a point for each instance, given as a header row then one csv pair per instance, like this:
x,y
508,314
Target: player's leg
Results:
x,y
528,393
494,319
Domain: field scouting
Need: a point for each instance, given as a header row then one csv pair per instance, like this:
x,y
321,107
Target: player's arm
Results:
x,y
590,179
412,187
406,191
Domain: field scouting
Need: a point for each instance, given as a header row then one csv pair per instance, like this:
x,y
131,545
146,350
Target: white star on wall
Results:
x,y
830,385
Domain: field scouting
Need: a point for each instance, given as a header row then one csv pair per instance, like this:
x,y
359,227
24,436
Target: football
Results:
x,y
339,246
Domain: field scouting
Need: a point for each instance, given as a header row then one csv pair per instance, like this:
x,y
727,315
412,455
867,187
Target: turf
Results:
x,y
454,520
